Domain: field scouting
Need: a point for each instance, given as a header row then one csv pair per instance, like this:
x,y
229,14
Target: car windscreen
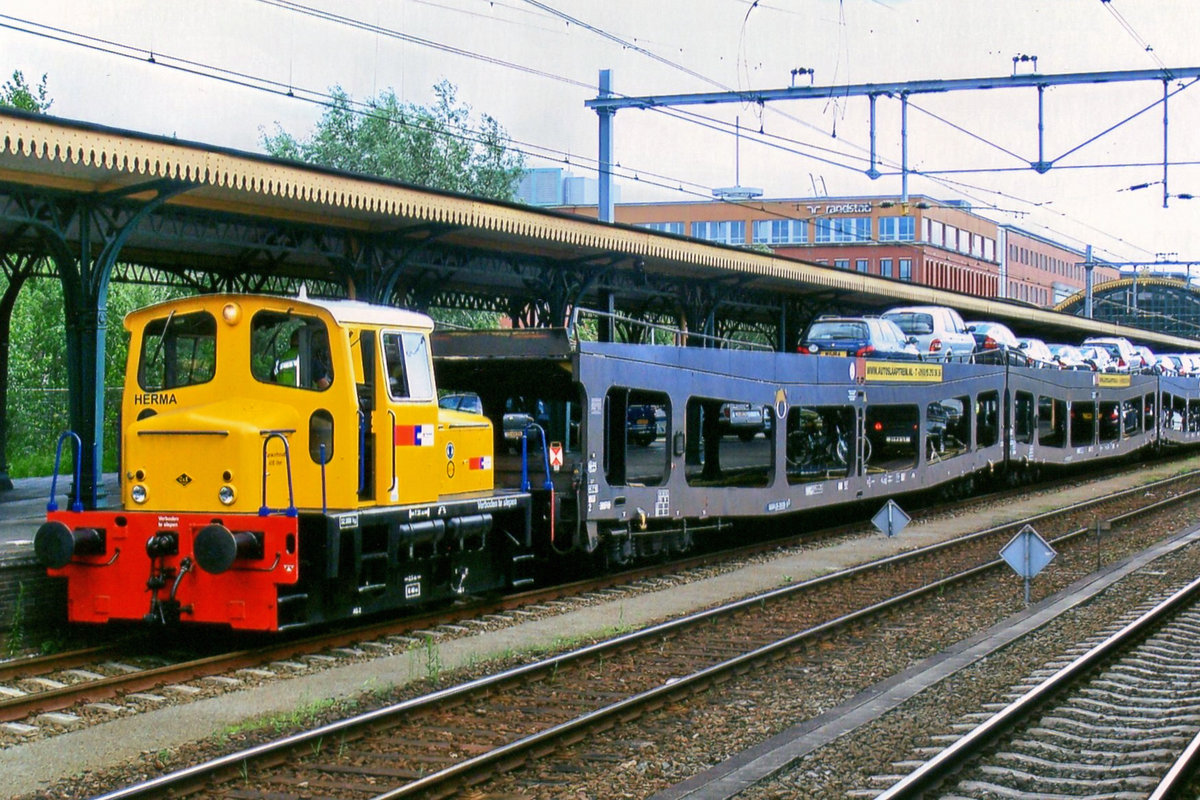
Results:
x,y
913,324
838,330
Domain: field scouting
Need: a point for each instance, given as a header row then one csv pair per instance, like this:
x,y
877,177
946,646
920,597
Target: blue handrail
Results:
x,y
525,484
265,510
76,504
324,505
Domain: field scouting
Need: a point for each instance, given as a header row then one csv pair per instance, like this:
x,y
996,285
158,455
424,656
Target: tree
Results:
x,y
440,146
16,93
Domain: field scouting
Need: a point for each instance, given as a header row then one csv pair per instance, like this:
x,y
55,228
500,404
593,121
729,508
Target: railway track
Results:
x,y
73,688
1122,719
437,744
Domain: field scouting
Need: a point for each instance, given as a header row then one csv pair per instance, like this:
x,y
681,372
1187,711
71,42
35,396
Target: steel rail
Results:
x,y
929,774
54,662
358,725
16,708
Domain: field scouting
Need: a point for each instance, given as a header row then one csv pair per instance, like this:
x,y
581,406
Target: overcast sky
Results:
x,y
531,64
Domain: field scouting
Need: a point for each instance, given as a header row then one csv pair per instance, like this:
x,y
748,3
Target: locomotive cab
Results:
x,y
285,461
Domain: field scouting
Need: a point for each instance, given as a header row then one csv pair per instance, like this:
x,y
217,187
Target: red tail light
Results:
x,y
865,351
878,426
989,343
935,345
1120,362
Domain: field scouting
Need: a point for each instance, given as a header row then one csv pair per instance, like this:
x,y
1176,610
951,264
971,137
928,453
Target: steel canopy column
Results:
x,y
18,271
85,278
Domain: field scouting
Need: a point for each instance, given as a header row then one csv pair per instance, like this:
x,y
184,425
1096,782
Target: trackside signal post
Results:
x,y
891,519
1028,554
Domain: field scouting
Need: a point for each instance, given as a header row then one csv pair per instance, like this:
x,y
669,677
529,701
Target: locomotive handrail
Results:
x,y
678,334
392,414
265,510
525,484
77,503
324,505
362,449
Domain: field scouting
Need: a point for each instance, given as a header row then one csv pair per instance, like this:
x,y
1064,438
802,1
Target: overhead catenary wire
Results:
x,y
633,46
324,98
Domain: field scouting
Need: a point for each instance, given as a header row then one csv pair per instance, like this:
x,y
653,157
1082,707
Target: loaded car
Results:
x,y
742,419
1038,353
1099,358
1066,356
641,424
1124,356
1149,360
940,333
468,402
522,419
875,337
996,344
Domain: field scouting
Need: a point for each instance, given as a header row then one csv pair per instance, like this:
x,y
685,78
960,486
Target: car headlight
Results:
x,y
227,494
138,493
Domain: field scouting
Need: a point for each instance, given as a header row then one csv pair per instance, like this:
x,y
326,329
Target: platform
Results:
x,y
23,508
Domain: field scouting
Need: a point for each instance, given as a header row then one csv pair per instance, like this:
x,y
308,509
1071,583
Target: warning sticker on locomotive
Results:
x,y
413,436
1112,381
900,371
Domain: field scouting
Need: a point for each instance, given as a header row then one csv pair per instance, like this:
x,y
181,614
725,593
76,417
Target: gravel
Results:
x,y
652,754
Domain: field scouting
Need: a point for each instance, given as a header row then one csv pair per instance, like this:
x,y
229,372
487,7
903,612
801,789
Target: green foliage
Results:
x,y
17,93
440,146
461,318
304,715
37,382
433,661
14,643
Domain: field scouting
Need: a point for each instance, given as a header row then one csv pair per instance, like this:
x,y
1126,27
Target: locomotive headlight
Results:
x,y
231,313
227,494
138,493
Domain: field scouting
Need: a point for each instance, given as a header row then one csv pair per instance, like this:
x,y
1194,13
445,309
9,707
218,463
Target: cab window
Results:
x,y
178,350
290,350
409,369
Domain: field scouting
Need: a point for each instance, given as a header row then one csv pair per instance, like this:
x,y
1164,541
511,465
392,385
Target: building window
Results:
x,y
861,265
842,263
663,227
885,267
780,231
989,249
897,229
937,233
723,232
905,269
843,229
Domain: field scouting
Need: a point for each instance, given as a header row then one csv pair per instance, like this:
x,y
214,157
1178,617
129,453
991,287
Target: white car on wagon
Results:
x,y
940,332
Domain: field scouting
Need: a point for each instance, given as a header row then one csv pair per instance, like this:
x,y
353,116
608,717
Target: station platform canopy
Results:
x,y
201,191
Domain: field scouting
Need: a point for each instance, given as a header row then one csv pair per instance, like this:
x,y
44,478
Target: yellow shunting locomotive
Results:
x,y
284,461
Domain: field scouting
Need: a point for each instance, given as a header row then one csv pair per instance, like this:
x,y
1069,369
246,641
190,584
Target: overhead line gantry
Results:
x,y
607,104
